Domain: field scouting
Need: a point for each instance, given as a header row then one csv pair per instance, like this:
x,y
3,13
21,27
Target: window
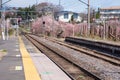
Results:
x,y
75,15
65,15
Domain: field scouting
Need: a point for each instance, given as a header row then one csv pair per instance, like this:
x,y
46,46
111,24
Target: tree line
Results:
x,y
33,11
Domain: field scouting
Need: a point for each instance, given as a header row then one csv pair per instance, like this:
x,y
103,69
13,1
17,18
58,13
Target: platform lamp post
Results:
x,y
3,19
88,4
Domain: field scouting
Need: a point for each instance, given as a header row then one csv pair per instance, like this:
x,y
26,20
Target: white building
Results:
x,y
65,16
110,13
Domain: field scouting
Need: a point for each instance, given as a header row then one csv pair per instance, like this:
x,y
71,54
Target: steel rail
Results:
x,y
57,51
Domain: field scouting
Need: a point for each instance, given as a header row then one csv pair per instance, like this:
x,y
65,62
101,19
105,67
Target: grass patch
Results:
x,y
10,32
80,77
3,50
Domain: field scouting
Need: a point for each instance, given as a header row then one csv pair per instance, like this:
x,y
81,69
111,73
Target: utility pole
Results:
x,y
3,21
88,21
3,18
59,2
36,2
7,28
88,17
36,8
0,3
52,11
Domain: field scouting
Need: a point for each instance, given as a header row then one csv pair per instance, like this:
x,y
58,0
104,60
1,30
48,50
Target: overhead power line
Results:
x,y
5,2
84,2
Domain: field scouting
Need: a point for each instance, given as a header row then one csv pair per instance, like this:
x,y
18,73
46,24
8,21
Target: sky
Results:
x,y
69,5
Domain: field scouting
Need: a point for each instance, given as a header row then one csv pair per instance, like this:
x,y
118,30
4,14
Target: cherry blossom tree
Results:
x,y
109,29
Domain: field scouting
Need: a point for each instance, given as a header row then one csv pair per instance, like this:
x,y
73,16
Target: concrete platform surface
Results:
x,y
47,69
11,66
23,61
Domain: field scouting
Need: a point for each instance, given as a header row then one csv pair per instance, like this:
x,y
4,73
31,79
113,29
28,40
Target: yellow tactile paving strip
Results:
x,y
29,68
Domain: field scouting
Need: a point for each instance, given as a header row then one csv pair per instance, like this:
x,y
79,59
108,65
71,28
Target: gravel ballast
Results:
x,y
103,69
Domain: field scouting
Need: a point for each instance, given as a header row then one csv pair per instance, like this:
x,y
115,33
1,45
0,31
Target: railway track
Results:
x,y
106,57
69,65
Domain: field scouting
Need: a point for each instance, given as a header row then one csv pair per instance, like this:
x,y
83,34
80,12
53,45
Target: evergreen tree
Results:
x,y
98,14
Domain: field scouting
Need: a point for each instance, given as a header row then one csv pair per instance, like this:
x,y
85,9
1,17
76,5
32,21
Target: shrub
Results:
x,y
10,32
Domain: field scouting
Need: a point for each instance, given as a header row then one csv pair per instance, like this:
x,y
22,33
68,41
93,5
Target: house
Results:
x,y
66,16
110,13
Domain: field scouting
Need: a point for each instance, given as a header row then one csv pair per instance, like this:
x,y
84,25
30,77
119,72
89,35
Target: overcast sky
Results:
x,y
71,5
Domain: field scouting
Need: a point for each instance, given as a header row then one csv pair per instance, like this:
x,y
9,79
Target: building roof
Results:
x,y
66,12
111,8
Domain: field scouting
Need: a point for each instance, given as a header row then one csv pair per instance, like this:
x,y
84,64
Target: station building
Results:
x,y
110,13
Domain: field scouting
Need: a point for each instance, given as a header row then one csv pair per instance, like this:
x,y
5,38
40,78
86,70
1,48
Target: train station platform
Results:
x,y
23,61
11,66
